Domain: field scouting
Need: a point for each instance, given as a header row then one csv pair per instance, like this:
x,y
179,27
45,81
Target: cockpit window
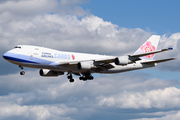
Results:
x,y
17,47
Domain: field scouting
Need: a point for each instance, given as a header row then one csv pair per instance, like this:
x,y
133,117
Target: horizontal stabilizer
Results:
x,y
157,61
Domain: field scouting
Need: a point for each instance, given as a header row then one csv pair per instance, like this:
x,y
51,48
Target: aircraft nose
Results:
x,y
6,55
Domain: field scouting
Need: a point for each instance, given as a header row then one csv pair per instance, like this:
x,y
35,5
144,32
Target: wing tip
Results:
x,y
170,48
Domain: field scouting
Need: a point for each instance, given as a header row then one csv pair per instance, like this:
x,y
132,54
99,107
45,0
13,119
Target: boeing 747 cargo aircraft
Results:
x,y
54,63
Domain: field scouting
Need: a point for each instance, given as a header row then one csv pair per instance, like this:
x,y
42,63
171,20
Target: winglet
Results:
x,y
170,48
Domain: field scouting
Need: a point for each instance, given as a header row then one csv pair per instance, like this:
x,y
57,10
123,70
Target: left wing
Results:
x,y
104,63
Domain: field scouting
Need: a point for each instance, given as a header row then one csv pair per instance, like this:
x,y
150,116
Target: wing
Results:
x,y
137,56
105,62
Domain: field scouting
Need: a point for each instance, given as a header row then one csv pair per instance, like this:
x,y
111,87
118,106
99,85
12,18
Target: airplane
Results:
x,y
53,63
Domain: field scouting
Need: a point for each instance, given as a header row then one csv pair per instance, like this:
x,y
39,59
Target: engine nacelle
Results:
x,y
123,60
50,73
84,66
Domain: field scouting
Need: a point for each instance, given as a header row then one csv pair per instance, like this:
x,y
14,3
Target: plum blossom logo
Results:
x,y
73,57
148,47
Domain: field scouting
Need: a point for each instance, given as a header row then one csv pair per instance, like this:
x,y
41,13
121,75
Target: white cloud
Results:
x,y
64,32
166,98
173,40
73,34
37,97
174,115
23,9
38,112
28,7
73,2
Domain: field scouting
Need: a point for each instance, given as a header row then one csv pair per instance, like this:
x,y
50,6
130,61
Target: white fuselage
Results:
x,y
45,58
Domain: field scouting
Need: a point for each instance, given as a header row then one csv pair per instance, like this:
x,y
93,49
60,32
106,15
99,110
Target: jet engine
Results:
x,y
84,66
50,73
123,60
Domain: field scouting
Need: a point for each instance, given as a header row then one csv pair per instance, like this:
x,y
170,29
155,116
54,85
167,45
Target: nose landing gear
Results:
x,y
22,72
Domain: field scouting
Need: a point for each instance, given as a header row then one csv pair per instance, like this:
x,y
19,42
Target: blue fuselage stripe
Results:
x,y
18,60
25,58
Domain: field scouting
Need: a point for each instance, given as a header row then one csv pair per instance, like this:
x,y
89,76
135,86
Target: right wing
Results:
x,y
135,56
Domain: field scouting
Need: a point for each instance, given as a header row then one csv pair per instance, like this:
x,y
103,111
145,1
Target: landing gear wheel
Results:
x,y
22,73
91,78
84,79
69,77
81,78
86,76
71,80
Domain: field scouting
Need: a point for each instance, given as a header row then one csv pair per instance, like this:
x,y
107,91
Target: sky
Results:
x,y
98,27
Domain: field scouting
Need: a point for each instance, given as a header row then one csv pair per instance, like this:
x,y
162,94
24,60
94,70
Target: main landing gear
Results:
x,y
22,72
86,76
70,78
